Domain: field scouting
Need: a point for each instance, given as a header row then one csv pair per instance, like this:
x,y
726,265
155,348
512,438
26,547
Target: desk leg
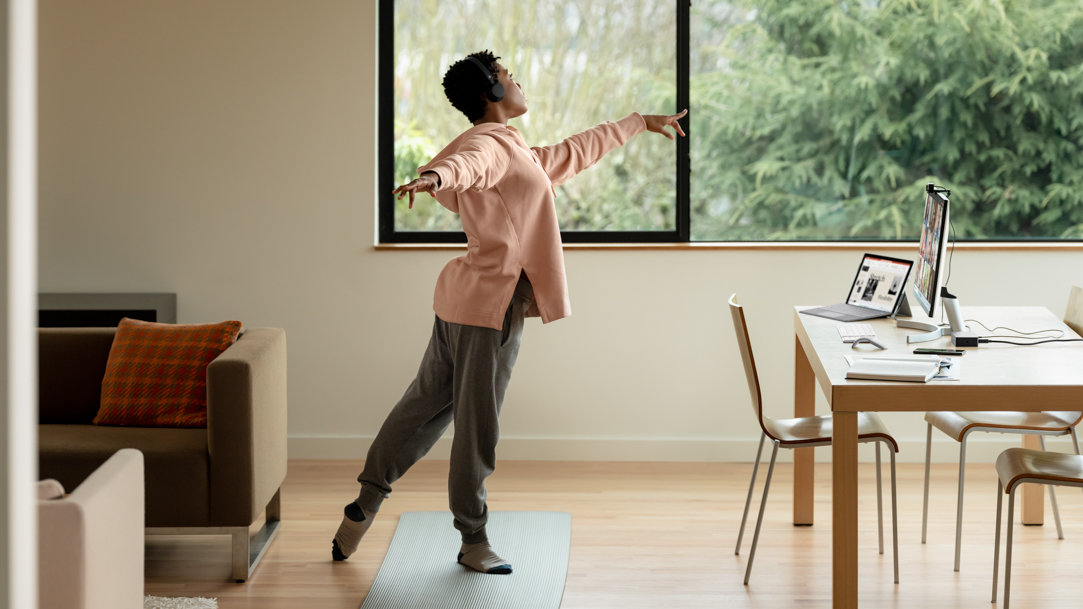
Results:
x,y
1033,512
844,511
804,405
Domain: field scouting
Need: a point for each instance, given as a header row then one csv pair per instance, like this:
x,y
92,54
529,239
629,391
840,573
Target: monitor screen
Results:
x,y
929,274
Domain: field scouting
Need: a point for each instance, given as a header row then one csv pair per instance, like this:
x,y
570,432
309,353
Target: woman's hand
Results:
x,y
426,182
658,123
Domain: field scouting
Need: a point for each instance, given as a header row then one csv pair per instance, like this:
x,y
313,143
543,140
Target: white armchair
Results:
x,y
90,543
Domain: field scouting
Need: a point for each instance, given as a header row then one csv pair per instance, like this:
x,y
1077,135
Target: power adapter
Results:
x,y
964,339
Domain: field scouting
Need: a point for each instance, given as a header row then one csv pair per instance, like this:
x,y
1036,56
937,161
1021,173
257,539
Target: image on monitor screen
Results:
x,y
929,271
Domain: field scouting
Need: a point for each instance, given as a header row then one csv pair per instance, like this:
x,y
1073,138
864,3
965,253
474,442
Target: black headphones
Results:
x,y
496,90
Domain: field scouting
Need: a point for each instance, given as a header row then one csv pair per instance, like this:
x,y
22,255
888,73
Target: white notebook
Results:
x,y
915,368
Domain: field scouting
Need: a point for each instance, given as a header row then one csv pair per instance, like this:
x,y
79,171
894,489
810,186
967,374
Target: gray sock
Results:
x,y
355,522
481,558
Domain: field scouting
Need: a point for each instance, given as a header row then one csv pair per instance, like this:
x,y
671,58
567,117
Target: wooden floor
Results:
x,y
652,535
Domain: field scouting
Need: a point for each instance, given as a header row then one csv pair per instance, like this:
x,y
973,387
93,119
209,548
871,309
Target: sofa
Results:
x,y
90,543
218,479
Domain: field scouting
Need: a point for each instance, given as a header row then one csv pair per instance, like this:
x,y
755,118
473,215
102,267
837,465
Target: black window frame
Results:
x,y
388,234
681,234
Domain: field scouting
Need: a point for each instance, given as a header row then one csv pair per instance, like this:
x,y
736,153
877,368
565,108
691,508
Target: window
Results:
x,y
810,121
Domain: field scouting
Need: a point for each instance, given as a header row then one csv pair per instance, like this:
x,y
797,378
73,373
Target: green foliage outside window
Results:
x,y
579,63
823,119
810,120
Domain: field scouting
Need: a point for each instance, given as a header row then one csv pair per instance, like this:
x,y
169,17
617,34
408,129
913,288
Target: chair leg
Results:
x,y
894,516
248,549
996,540
1053,499
748,499
763,504
241,548
879,503
1008,550
959,502
925,496
1075,441
273,511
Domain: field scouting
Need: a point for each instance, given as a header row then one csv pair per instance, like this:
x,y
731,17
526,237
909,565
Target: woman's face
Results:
x,y
514,101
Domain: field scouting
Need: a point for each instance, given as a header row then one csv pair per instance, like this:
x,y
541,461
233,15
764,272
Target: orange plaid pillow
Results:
x,y
156,375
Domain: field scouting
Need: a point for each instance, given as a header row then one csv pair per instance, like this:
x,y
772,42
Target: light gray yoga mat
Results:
x,y
420,571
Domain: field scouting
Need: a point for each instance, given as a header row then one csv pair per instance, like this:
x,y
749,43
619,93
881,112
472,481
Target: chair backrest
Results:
x,y
1073,316
741,329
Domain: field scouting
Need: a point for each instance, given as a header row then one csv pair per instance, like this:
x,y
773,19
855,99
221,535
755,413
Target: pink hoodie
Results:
x,y
503,191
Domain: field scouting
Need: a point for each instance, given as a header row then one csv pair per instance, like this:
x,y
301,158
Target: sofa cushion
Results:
x,y
176,465
71,365
156,374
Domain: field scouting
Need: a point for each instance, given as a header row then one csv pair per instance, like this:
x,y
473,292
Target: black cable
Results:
x,y
951,253
1048,340
1017,333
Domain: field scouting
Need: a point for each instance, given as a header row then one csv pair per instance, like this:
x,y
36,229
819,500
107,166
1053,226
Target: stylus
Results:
x,y
922,351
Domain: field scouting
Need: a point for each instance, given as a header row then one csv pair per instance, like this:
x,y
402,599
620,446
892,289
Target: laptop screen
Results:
x,y
879,282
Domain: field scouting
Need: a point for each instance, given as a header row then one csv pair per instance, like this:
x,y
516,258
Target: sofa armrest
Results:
x,y
246,426
92,540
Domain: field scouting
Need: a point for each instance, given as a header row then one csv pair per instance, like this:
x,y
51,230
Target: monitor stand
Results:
x,y
955,328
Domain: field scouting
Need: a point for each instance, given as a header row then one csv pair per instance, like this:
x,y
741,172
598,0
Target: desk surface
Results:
x,y
993,376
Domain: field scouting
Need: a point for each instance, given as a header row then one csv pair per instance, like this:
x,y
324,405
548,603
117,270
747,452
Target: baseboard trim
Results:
x,y
911,450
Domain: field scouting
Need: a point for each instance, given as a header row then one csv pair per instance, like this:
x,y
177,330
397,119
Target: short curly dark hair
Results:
x,y
465,84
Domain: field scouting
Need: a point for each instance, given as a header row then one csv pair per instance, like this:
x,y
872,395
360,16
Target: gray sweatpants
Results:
x,y
462,379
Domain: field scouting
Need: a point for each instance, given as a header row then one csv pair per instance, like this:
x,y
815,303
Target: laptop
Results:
x,y
876,291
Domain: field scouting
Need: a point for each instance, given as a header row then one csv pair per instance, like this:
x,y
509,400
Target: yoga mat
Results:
x,y
420,570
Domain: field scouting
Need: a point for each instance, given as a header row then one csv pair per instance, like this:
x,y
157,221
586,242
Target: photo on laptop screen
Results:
x,y
877,289
878,283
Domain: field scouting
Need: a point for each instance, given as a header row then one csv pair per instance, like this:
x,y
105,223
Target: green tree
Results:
x,y
822,119
579,63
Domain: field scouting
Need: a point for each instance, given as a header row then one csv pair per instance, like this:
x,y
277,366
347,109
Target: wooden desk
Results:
x,y
993,377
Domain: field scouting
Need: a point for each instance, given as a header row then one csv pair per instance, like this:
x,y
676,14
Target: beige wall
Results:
x,y
225,151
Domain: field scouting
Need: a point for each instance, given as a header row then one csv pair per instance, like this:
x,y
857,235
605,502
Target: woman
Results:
x,y
514,268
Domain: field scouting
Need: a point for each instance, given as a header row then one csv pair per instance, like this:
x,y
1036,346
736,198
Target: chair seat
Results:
x,y
1018,465
816,431
956,424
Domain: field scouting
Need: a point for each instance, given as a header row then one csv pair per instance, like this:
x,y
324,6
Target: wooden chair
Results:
x,y
959,425
805,432
1016,466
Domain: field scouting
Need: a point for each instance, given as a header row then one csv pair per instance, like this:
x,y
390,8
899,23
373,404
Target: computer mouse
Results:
x,y
866,339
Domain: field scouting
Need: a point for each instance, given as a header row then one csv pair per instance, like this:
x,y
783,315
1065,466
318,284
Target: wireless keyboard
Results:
x,y
853,331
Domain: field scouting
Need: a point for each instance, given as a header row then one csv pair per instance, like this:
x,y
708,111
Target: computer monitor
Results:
x,y
930,279
932,246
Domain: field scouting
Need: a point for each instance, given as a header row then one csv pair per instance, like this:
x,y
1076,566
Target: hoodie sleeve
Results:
x,y
564,160
478,163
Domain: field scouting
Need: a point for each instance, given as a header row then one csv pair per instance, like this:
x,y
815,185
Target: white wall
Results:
x,y
226,151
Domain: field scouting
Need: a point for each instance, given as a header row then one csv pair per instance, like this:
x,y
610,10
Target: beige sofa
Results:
x,y
213,480
90,543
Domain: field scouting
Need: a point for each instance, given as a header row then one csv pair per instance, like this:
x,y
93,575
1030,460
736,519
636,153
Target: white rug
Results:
x,y
160,602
